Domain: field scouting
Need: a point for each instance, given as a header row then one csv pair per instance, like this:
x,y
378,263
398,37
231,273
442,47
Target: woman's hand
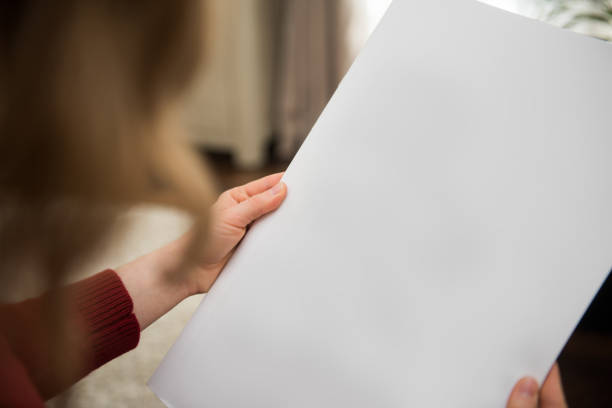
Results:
x,y
231,214
147,278
525,393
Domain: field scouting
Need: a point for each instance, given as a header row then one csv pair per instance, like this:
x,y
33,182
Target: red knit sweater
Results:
x,y
99,325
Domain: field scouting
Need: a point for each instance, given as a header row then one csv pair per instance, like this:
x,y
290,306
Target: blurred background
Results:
x,y
271,67
274,64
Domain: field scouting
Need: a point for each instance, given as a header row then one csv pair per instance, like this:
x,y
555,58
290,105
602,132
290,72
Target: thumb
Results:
x,y
552,395
254,207
524,394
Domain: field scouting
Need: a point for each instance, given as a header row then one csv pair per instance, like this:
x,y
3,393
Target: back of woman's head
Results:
x,y
87,94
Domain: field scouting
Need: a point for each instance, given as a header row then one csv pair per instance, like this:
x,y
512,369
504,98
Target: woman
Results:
x,y
90,95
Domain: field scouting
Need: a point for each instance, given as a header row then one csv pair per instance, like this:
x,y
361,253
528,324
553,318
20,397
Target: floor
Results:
x,y
586,361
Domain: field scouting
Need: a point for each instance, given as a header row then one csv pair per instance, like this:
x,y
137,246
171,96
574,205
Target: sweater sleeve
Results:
x,y
63,335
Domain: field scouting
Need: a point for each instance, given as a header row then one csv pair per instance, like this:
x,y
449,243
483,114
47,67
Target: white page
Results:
x,y
449,219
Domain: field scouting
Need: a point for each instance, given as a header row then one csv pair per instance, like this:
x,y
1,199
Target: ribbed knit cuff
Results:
x,y
107,311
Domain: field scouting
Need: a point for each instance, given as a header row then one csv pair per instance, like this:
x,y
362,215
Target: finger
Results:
x,y
551,395
239,194
255,187
249,210
524,394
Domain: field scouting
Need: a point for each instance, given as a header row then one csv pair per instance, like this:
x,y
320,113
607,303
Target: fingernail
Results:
x,y
276,189
528,388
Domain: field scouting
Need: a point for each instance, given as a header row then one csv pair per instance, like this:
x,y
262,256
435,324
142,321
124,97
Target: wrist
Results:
x,y
154,282
206,276
172,269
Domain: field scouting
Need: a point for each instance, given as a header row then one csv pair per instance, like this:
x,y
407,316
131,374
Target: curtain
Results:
x,y
314,54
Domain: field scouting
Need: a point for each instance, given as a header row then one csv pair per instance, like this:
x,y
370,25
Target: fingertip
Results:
x,y
528,387
555,371
524,394
283,188
280,189
278,196
260,185
552,394
276,177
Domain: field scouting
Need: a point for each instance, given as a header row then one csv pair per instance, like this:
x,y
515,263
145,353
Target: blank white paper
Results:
x,y
449,219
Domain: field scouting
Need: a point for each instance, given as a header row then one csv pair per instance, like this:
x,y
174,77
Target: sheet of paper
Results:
x,y
449,219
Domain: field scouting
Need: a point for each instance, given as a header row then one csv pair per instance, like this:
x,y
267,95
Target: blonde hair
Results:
x,y
87,91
